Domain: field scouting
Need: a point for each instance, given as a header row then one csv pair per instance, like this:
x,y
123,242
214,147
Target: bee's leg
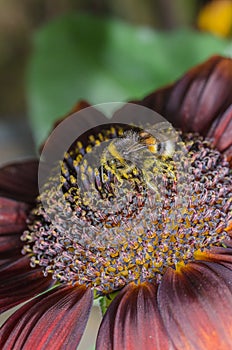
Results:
x,y
102,174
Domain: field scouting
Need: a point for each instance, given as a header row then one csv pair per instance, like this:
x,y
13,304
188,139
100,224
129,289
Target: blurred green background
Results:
x,y
20,19
55,52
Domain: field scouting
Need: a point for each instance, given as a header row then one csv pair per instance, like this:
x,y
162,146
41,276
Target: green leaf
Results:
x,y
105,301
104,60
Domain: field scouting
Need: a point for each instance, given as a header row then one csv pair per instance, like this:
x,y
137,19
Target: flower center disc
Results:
x,y
129,204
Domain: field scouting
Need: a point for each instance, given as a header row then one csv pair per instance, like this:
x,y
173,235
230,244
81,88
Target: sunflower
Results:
x,y
171,269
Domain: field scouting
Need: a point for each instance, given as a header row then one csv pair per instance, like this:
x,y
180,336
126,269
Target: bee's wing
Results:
x,y
130,143
162,132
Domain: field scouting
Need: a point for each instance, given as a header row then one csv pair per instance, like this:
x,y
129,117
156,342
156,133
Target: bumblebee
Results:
x,y
147,152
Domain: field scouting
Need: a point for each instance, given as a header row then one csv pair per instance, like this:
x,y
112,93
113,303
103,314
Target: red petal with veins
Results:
x,y
221,132
15,267
55,321
216,254
181,106
13,216
20,181
216,96
228,154
10,246
222,269
195,304
19,282
132,321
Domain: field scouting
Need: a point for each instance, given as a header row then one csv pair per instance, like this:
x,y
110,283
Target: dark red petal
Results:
x,y
216,254
201,101
13,216
156,100
216,96
221,131
17,289
185,103
195,304
20,181
219,255
19,282
222,269
132,321
15,267
9,246
184,97
228,154
55,320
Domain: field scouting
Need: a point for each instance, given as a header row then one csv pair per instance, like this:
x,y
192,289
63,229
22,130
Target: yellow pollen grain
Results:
x,y
229,227
92,138
200,255
89,170
88,149
131,266
111,269
124,273
147,256
139,261
101,137
158,264
114,255
126,259
79,145
173,238
120,132
72,180
165,249
150,249
169,261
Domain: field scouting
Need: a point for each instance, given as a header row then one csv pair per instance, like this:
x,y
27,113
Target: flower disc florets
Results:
x,y
122,221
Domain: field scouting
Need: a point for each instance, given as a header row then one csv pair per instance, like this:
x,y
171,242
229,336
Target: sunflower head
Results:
x,y
125,204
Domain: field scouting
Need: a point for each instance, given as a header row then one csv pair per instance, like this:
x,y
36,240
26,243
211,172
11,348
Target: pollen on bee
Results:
x,y
152,148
